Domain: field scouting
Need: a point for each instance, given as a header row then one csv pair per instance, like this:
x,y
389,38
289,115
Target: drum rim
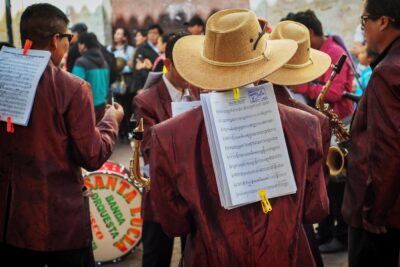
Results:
x,y
107,172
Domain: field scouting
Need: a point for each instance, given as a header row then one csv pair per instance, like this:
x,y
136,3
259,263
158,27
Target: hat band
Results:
x,y
299,66
237,63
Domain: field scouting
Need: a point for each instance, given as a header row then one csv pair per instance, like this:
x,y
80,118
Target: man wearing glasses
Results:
x,y
371,204
44,211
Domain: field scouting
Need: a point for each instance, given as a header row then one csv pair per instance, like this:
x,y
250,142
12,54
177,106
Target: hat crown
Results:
x,y
231,36
300,34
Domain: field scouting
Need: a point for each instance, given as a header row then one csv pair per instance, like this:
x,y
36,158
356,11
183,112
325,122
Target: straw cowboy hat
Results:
x,y
232,53
307,64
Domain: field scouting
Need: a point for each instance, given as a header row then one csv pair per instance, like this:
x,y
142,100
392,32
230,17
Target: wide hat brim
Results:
x,y
190,65
296,76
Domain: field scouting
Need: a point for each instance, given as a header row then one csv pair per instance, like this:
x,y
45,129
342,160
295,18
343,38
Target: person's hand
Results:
x,y
143,64
147,63
373,228
116,110
357,48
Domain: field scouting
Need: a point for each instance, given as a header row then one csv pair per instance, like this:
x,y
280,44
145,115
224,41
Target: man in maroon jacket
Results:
x,y
371,204
183,183
154,106
44,212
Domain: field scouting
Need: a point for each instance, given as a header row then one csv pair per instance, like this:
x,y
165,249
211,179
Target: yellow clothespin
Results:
x,y
236,94
266,206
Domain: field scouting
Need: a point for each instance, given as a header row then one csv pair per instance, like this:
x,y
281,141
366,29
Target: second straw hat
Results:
x,y
234,52
307,64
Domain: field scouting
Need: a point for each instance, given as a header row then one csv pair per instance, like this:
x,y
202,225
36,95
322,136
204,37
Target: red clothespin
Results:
x,y
27,46
10,125
264,24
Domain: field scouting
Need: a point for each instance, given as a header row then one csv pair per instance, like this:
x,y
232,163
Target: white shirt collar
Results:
x,y
176,95
155,48
297,96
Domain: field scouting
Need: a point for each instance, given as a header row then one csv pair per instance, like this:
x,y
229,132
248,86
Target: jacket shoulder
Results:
x,y
149,95
64,79
182,124
299,122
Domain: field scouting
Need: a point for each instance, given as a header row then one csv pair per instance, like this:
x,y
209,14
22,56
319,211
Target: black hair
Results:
x,y
143,32
173,38
39,22
89,39
390,8
127,41
165,38
308,19
5,44
156,26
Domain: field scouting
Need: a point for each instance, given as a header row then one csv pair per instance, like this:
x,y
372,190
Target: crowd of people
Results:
x,y
89,93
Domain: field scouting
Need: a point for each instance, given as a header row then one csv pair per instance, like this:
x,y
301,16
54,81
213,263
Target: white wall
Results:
x,y
95,13
337,16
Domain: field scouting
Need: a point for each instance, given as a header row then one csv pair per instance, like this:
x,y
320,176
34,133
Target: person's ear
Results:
x,y
54,42
167,63
312,33
384,23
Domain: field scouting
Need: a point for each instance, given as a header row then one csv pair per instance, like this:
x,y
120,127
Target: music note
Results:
x,y
19,77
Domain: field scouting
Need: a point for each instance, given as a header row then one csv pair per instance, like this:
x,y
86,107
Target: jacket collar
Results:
x,y
384,53
165,98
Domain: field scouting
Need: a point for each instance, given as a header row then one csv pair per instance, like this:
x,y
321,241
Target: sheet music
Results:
x,y
250,146
183,106
152,79
19,78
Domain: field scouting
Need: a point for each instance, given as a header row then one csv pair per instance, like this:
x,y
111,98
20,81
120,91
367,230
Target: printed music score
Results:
x,y
19,78
247,145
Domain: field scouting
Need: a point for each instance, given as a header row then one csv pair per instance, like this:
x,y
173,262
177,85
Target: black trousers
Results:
x,y
157,246
312,241
68,258
372,250
328,229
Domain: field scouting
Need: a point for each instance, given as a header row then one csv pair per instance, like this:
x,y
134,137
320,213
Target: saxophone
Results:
x,y
337,154
134,165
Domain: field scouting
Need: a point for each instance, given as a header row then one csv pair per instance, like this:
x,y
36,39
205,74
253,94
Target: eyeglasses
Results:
x,y
364,18
68,35
62,35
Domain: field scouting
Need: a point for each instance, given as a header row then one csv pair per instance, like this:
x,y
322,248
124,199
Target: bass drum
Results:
x,y
115,205
112,166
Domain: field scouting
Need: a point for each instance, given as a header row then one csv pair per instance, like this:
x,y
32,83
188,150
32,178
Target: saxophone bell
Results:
x,y
336,160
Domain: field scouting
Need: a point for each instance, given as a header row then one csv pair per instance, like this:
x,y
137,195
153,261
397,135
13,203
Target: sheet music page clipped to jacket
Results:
x,y
248,147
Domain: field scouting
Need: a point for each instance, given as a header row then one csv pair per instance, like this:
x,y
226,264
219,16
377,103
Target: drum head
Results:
x,y
112,166
115,206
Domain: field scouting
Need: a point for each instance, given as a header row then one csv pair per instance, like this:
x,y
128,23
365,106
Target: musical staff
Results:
x,y
19,76
248,146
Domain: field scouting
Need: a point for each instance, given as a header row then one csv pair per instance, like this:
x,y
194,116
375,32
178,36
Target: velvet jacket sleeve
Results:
x,y
383,183
316,203
91,144
168,204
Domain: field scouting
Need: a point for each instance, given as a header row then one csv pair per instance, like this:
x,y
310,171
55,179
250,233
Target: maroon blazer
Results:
x,y
283,97
185,196
41,203
154,106
373,180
